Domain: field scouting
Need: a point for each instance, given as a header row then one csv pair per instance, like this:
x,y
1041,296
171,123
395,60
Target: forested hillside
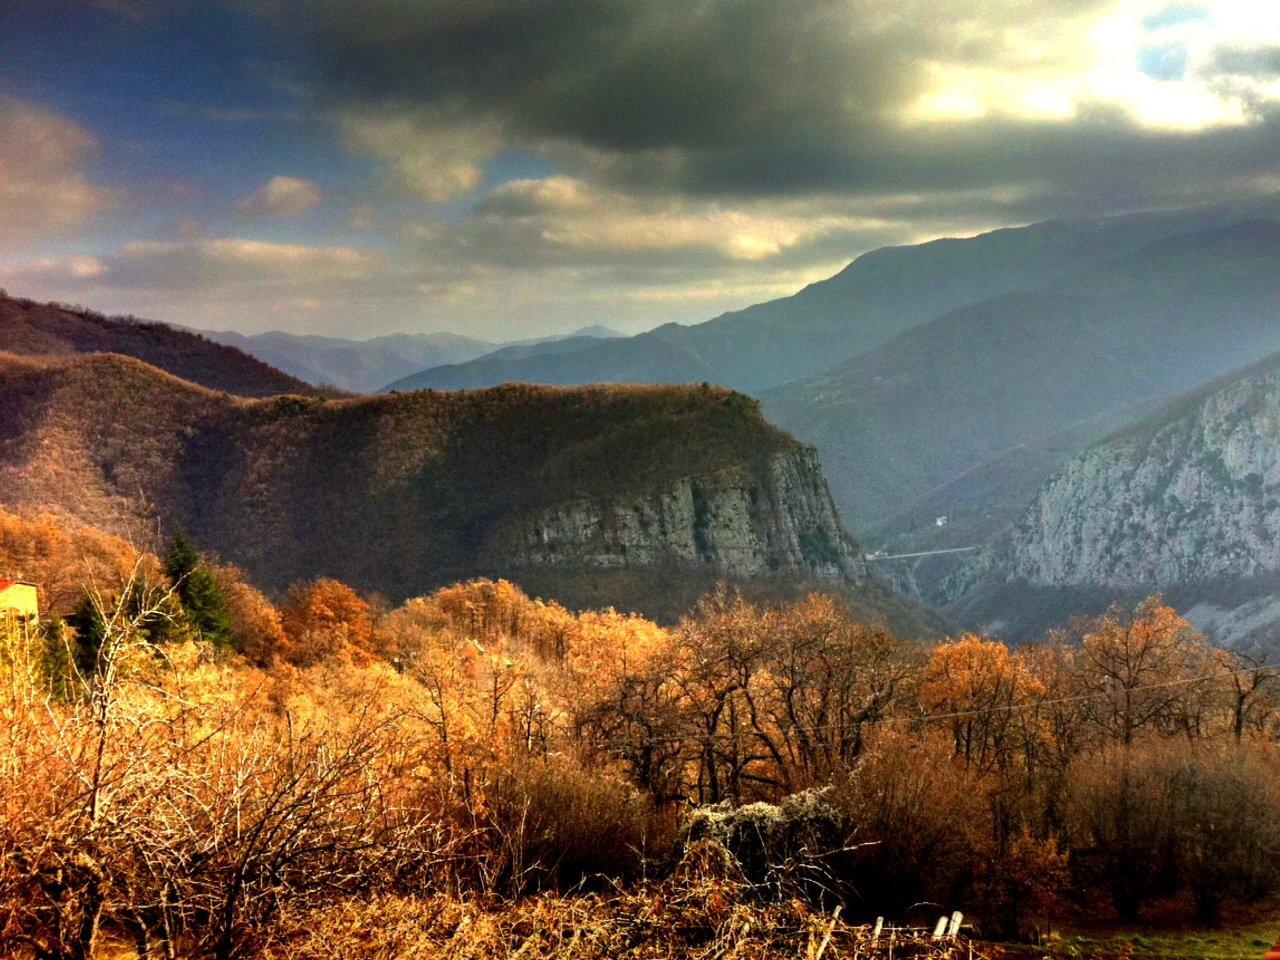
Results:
x,y
42,329
592,489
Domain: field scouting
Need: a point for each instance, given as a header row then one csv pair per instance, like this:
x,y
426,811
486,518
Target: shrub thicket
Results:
x,y
338,760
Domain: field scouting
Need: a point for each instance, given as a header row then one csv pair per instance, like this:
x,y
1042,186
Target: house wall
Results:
x,y
20,600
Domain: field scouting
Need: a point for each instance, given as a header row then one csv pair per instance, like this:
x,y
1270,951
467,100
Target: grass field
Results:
x,y
1247,942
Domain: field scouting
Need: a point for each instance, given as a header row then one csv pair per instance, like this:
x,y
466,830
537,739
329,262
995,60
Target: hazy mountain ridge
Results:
x,y
527,355
903,423
44,329
647,358
367,366
400,493
361,366
874,299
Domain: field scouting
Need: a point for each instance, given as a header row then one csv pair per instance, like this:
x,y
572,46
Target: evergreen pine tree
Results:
x,y
201,597
58,651
91,630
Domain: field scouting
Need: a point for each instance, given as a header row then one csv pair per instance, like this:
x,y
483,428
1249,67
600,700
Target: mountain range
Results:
x,y
902,423
874,299
949,379
367,366
947,388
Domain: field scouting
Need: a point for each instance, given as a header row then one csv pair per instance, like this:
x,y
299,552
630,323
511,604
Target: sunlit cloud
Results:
x,y
282,197
431,158
44,190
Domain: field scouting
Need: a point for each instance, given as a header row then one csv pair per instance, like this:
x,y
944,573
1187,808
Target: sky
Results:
x,y
513,168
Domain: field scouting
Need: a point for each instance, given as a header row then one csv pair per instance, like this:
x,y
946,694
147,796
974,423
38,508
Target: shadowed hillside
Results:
x,y
39,329
399,493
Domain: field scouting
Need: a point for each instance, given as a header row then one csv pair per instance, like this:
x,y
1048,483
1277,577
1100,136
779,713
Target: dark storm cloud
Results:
x,y
762,97
1259,62
617,74
1099,161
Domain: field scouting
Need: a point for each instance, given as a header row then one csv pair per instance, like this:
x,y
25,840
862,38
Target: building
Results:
x,y
19,601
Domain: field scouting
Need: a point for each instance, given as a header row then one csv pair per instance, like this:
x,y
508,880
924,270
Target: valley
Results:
x,y
975,368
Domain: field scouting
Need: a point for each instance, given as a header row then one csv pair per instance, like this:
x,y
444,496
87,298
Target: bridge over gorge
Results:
x,y
881,555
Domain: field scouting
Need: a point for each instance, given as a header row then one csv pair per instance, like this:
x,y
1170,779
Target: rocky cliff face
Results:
x,y
745,522
1187,502
1191,495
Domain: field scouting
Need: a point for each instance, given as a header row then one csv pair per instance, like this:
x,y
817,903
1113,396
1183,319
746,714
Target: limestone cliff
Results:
x,y
743,521
1187,502
1191,495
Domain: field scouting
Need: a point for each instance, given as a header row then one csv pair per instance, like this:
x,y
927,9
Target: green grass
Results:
x,y
1247,942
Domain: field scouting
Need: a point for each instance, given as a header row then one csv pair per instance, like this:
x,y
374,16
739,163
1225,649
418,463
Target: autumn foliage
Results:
x,y
325,621
339,764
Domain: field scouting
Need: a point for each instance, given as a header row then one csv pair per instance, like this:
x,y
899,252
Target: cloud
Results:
x,y
252,285
1247,61
281,197
726,98
43,188
236,282
432,157
563,221
215,263
199,267
690,157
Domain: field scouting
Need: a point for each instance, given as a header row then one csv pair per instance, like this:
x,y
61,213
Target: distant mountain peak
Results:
x,y
596,330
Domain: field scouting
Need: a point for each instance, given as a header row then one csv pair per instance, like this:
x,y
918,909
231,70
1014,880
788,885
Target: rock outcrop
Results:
x,y
745,522
1191,495
1186,502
